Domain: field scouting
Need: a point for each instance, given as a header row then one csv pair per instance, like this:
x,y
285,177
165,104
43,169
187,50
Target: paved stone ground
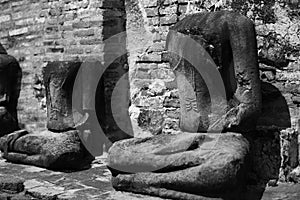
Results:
x,y
91,184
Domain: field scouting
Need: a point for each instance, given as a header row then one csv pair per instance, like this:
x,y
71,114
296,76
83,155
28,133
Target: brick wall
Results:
x,y
155,104
153,90
36,32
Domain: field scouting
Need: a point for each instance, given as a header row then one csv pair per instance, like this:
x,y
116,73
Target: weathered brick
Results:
x,y
55,50
74,51
91,41
48,43
151,57
3,34
146,65
153,21
173,112
81,24
4,18
22,14
142,74
150,3
168,10
166,74
18,3
69,16
18,31
51,29
168,20
24,22
84,33
168,2
157,47
151,12
182,9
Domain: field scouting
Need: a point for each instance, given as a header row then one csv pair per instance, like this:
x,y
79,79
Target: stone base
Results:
x,y
46,149
183,166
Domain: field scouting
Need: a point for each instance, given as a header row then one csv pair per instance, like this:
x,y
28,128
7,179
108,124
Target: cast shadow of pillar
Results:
x,y
115,75
265,146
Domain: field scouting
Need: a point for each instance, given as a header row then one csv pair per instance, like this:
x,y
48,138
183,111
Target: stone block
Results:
x,y
4,18
19,31
11,184
81,24
151,57
168,20
168,10
84,33
151,12
150,3
153,21
59,78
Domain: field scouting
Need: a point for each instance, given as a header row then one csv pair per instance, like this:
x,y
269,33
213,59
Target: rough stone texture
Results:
x,y
11,184
40,184
289,152
59,79
48,34
46,149
179,166
277,48
94,184
276,23
264,159
78,98
57,30
230,40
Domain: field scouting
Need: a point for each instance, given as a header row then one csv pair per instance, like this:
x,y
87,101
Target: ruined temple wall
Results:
x,y
277,26
155,103
36,32
39,31
21,34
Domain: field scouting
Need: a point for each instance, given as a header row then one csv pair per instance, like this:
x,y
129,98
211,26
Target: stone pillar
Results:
x,y
10,85
59,80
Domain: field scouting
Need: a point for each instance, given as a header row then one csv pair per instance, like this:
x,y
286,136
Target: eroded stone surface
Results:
x,y
11,184
45,149
230,40
59,79
92,184
183,165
